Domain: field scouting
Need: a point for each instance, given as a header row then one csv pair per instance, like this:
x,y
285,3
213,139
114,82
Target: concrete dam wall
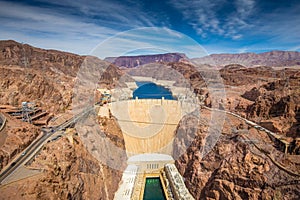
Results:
x,y
149,125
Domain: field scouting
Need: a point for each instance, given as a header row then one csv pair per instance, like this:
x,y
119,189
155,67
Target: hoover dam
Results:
x,y
149,128
149,125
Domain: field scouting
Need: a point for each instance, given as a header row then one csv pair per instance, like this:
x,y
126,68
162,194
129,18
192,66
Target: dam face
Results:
x,y
149,129
149,125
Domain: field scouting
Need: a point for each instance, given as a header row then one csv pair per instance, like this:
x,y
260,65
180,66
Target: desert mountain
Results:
x,y
271,59
134,61
46,77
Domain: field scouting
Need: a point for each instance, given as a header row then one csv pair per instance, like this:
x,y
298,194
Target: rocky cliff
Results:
x,y
46,77
70,172
277,106
245,163
26,56
15,136
264,95
242,165
33,74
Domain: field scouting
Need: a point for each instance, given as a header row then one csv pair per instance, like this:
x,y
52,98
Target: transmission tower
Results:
x,y
24,58
27,108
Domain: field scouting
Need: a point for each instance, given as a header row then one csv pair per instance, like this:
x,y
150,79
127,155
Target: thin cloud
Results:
x,y
144,39
23,17
78,26
107,12
58,28
244,8
204,16
281,28
295,48
200,14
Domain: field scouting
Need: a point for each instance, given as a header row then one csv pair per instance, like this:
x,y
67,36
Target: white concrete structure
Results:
x,y
104,111
179,191
151,165
127,184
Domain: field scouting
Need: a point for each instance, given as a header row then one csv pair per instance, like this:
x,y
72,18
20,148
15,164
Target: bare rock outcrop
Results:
x,y
242,165
15,137
70,172
26,56
277,106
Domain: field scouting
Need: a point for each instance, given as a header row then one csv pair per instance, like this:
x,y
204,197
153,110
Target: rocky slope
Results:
x,y
245,163
15,136
33,74
272,59
70,172
26,56
264,95
134,61
46,77
237,75
242,165
277,106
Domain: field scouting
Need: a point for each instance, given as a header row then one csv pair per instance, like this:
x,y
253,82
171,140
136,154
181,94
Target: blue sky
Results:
x,y
219,26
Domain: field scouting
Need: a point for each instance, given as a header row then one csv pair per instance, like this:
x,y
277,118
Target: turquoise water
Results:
x,y
153,189
149,90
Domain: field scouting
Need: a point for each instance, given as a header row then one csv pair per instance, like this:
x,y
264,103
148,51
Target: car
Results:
x,y
57,137
23,154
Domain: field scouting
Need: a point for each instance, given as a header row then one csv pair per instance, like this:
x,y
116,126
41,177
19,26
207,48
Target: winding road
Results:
x,y
38,143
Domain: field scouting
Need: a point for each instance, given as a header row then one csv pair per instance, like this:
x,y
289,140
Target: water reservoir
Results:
x,y
149,90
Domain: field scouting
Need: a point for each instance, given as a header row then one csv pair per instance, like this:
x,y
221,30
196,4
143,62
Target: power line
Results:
x,y
143,122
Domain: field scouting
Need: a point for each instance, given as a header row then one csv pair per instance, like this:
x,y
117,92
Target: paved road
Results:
x,y
279,137
33,148
2,121
24,156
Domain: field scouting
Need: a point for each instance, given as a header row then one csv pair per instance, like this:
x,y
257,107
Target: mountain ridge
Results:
x,y
134,61
274,58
